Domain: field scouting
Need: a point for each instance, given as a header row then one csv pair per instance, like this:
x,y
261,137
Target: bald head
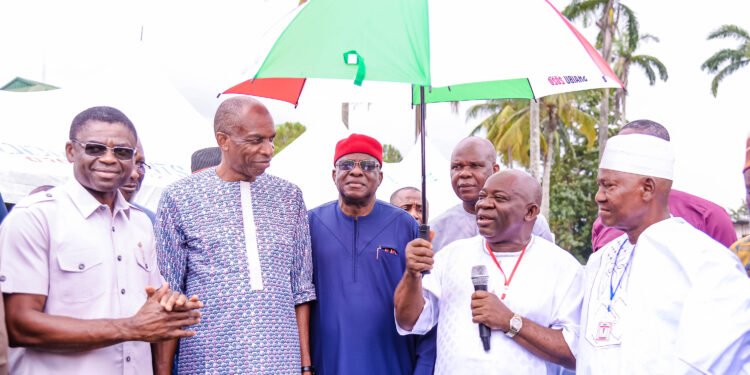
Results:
x,y
244,132
521,183
646,127
234,110
483,148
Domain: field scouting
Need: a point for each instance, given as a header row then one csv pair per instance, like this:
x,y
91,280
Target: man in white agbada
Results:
x,y
663,298
534,299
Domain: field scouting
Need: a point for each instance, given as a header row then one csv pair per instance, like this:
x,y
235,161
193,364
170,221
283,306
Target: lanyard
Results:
x,y
613,290
507,279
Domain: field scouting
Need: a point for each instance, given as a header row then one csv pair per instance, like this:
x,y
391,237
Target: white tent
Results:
x,y
36,125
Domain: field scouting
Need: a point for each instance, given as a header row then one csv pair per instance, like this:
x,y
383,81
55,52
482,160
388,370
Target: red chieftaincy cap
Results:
x,y
359,143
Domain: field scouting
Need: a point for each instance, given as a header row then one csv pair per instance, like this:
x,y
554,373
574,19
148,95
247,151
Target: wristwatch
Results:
x,y
308,369
516,323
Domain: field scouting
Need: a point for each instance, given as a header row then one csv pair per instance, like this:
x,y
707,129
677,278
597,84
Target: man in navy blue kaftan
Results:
x,y
358,248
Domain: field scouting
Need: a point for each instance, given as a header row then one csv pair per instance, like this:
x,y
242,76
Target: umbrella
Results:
x,y
442,51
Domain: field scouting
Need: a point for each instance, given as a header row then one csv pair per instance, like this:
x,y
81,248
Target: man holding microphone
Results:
x,y
533,300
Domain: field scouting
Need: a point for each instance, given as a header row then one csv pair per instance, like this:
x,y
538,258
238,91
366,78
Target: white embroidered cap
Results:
x,y
641,154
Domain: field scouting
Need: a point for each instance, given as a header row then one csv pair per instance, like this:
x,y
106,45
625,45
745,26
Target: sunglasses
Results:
x,y
364,165
98,149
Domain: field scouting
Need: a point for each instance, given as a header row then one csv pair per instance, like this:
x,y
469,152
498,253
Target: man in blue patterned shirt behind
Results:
x,y
239,238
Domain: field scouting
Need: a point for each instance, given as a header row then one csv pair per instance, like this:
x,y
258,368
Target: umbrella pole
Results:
x,y
424,169
424,229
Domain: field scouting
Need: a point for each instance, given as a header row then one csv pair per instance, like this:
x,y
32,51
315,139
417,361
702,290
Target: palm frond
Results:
x,y
729,31
725,55
583,9
486,124
648,63
649,38
729,69
564,135
631,25
483,109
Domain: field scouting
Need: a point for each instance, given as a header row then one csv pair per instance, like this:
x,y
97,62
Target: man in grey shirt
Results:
x,y
473,161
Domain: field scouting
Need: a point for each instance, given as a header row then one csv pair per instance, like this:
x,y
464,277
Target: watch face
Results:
x,y
516,323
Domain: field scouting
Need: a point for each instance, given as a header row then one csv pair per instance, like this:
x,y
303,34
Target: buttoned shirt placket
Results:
x,y
122,258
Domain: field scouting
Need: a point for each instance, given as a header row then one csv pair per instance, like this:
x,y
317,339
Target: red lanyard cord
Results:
x,y
507,280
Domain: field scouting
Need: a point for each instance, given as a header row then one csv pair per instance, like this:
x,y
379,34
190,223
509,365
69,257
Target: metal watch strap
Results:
x,y
512,331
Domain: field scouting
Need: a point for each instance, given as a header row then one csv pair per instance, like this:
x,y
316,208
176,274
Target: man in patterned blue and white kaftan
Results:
x,y
239,238
358,247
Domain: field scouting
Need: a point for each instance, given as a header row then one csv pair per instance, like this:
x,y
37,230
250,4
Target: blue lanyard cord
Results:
x,y
613,290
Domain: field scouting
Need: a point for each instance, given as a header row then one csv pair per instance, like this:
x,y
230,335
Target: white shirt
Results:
x,y
89,262
545,289
683,307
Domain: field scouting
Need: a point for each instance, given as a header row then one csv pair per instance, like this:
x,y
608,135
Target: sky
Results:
x,y
205,47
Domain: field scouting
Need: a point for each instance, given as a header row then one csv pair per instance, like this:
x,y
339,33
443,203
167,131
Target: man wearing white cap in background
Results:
x,y
663,298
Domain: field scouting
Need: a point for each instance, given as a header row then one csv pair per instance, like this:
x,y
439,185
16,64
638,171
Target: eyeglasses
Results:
x,y
142,166
364,165
98,149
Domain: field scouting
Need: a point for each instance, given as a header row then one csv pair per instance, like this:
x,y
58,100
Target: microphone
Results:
x,y
479,278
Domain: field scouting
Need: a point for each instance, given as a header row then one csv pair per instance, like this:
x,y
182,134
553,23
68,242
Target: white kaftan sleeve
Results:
x,y
714,332
431,291
569,296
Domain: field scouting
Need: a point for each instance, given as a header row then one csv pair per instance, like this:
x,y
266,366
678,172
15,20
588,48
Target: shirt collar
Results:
x,y
87,204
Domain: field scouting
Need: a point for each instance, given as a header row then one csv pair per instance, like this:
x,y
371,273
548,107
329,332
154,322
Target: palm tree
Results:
x,y
730,59
608,14
508,126
534,139
625,59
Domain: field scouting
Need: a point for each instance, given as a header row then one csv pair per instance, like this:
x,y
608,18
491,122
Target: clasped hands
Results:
x,y
165,314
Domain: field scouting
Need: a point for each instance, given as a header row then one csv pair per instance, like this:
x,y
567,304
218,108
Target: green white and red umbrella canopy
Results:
x,y
440,50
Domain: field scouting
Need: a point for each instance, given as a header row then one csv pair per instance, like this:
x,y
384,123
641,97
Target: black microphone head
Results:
x,y
479,275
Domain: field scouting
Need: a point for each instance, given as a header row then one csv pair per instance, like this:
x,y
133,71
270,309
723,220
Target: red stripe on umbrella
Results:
x,y
595,56
286,89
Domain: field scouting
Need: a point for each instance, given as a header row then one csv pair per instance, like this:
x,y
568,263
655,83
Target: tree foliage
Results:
x,y
740,214
572,206
727,61
286,133
391,154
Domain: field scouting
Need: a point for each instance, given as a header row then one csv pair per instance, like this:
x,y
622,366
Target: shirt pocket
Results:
x,y
83,276
390,257
144,262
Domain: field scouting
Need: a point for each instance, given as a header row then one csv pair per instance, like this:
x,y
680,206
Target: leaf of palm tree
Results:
x,y
583,9
483,109
648,63
631,24
729,69
725,55
730,31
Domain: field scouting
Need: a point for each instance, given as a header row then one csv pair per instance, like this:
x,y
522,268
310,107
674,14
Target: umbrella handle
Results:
x,y
424,233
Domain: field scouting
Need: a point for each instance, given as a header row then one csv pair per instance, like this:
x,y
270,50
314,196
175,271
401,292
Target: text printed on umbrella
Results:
x,y
564,80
